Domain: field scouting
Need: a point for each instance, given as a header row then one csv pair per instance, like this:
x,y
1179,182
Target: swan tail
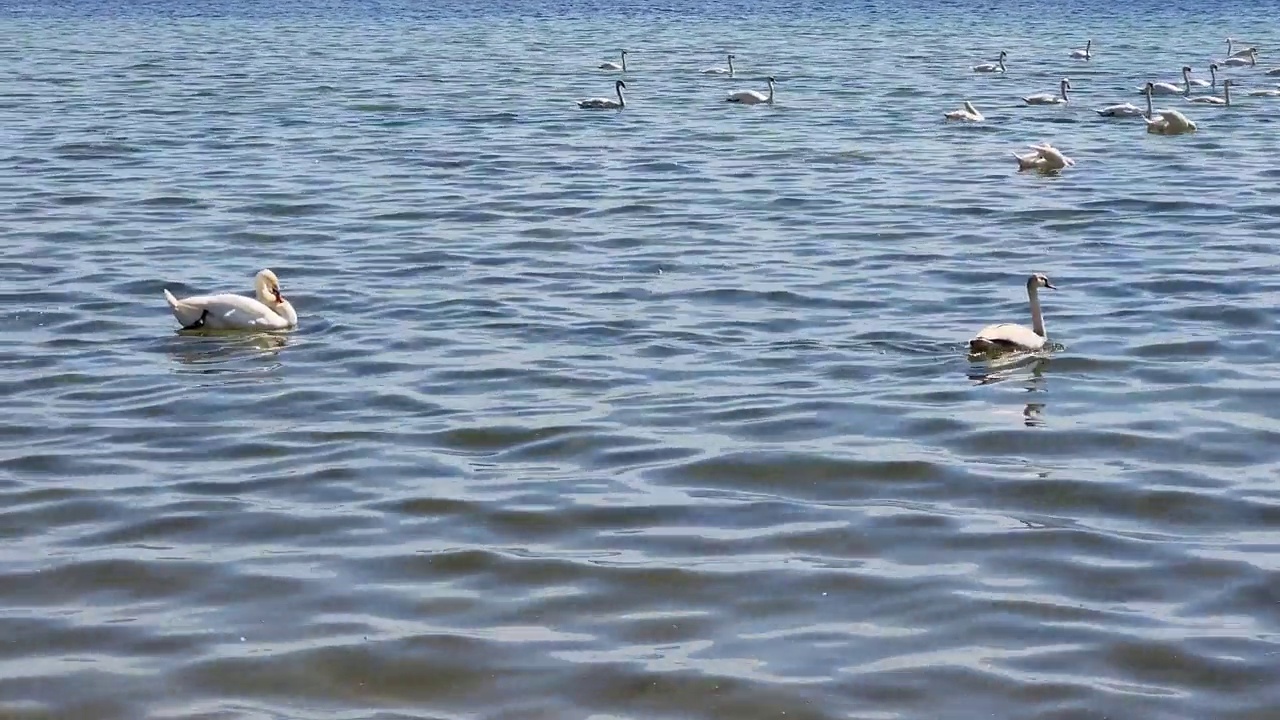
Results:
x,y
1026,162
188,315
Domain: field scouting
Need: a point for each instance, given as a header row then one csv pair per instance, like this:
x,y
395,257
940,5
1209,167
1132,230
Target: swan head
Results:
x,y
1213,67
732,56
267,287
623,52
1003,54
1066,83
771,80
619,85
1039,280
1186,68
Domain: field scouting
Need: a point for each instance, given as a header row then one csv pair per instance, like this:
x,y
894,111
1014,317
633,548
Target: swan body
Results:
x,y
1224,101
752,97
1166,122
615,67
968,113
995,67
1046,158
1121,110
1273,71
1164,88
1006,337
719,70
606,103
1198,82
1047,99
1084,54
1273,92
228,311
1248,60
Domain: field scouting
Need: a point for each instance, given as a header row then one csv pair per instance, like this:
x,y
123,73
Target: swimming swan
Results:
x,y
1213,72
751,97
1274,92
1008,336
1272,71
1167,122
720,70
606,103
228,311
1239,53
1225,100
1083,54
1046,159
1047,99
968,113
1121,110
614,67
1163,88
995,67
1249,59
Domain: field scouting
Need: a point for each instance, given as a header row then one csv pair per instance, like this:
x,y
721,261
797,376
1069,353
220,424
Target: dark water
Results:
x,y
658,414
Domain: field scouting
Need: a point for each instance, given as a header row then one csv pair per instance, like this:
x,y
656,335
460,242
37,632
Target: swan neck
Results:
x,y
770,92
621,100
731,66
1149,111
624,63
1037,319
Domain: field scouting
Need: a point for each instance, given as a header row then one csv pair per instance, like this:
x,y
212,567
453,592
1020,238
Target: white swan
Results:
x,y
1047,99
1272,71
1273,92
1250,59
1197,82
968,113
719,70
1166,122
615,67
1225,100
606,103
228,311
1083,54
1239,53
1121,110
1164,88
1009,336
1045,159
995,67
751,97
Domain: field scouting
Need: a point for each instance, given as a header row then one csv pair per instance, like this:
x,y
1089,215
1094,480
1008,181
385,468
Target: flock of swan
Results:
x,y
1169,121
269,310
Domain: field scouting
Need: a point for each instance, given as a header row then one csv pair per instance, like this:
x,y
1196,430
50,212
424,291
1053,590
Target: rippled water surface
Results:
x,y
663,413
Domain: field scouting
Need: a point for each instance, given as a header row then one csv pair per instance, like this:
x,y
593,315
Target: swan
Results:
x,y
1239,53
228,311
1272,71
1009,336
995,67
1250,59
751,97
1047,99
614,67
1121,110
1213,72
606,103
1169,122
719,70
1164,88
1083,54
1274,92
1225,100
968,113
1046,159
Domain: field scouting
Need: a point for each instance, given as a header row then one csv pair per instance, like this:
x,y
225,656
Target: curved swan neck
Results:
x,y
730,66
1002,69
1149,111
770,91
622,101
1065,85
1037,319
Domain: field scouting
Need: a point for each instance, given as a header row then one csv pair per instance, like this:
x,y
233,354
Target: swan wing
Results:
x,y
1006,336
225,312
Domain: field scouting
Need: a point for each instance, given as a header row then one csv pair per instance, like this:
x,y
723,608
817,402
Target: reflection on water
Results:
x,y
210,351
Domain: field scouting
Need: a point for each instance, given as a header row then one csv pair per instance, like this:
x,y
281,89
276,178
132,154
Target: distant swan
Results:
x,y
1008,336
1197,82
1164,88
1047,99
1239,53
1274,92
1225,100
1045,159
1167,122
1249,59
1273,71
995,67
720,70
968,113
228,311
1121,110
1083,54
615,66
606,103
751,97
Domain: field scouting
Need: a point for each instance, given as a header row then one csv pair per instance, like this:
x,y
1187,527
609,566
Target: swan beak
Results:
x,y
1051,286
276,292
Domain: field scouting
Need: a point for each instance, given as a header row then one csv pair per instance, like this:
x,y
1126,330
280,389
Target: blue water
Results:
x,y
660,413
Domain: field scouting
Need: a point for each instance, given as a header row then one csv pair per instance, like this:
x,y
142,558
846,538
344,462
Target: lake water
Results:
x,y
663,413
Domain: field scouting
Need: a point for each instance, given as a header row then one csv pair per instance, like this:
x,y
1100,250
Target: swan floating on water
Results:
x,y
1166,122
1225,100
1272,71
995,67
1197,82
751,97
1047,99
615,67
968,113
1250,59
719,70
1083,54
1239,53
606,103
1121,110
1164,88
1273,92
228,311
1006,337
1045,159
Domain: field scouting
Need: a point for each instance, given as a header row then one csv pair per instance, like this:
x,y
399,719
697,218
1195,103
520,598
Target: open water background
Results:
x,y
654,414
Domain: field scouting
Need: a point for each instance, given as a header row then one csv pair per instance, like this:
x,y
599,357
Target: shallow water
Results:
x,y
654,414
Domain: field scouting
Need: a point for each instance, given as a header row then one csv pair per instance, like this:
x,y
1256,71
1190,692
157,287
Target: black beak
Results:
x,y
1051,286
276,292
